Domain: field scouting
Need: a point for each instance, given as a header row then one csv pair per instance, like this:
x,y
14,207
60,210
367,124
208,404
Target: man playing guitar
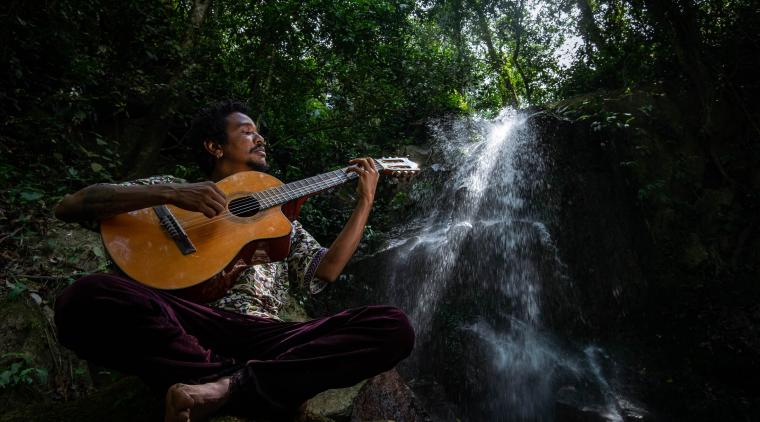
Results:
x,y
233,352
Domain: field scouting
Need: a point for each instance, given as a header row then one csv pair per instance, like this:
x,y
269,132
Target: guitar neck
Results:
x,y
285,193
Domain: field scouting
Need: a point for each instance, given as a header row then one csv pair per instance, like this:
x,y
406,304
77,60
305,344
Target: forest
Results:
x,y
637,157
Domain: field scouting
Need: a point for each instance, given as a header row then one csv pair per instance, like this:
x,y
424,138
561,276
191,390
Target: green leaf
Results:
x,y
5,378
96,167
30,195
98,251
17,289
42,375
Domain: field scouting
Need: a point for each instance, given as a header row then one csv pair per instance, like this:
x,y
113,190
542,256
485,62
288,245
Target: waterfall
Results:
x,y
471,269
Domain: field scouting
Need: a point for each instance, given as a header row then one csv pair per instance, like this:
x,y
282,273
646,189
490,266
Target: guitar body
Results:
x,y
143,249
199,258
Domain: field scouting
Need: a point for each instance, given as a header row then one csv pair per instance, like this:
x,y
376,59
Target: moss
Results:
x,y
126,400
24,333
334,404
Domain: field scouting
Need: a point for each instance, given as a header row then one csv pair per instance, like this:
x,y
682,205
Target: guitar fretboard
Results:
x,y
285,193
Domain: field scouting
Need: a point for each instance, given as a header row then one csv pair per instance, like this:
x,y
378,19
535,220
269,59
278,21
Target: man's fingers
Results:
x,y
358,170
220,193
219,199
213,198
365,164
217,207
215,192
207,211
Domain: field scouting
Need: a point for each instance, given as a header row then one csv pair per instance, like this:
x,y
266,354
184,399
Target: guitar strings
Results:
x,y
272,197
281,194
277,194
197,229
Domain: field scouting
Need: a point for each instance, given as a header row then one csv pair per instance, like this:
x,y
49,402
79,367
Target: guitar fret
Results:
x,y
284,193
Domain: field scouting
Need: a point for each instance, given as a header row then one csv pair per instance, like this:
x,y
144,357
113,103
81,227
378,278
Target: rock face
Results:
x,y
663,247
600,233
662,254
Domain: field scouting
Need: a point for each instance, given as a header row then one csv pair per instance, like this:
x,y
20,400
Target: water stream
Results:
x,y
473,267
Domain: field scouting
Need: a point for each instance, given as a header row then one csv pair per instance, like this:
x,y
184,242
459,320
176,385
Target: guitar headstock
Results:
x,y
397,166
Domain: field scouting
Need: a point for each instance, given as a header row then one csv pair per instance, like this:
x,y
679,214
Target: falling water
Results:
x,y
471,269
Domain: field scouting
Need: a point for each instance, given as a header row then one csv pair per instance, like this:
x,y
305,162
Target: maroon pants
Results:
x,y
116,322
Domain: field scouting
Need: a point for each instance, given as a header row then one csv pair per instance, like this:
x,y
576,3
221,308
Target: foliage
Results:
x,y
106,91
100,90
19,370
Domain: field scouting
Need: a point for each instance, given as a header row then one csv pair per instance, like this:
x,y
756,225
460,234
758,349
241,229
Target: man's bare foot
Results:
x,y
186,402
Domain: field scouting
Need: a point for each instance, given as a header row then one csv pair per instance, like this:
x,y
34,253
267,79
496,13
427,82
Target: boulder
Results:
x,y
387,397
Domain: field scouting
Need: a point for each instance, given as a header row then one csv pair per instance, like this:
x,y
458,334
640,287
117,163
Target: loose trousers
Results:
x,y
274,366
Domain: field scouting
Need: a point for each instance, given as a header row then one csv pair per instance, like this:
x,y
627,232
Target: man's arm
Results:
x,y
344,246
104,200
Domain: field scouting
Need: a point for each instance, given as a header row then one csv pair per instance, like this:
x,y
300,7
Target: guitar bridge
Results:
x,y
174,230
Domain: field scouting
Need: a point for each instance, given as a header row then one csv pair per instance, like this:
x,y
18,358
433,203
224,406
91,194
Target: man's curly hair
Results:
x,y
211,123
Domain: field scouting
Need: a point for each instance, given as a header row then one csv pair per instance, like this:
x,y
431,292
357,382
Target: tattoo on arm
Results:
x,y
96,200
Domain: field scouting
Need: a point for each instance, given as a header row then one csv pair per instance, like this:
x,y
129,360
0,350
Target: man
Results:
x,y
235,352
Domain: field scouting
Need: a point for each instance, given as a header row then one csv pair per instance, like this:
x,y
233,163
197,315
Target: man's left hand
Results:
x,y
368,176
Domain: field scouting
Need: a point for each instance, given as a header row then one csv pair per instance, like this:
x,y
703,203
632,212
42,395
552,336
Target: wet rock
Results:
x,y
228,418
387,397
568,412
573,405
335,404
418,154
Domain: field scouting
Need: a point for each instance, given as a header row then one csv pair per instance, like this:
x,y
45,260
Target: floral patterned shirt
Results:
x,y
263,289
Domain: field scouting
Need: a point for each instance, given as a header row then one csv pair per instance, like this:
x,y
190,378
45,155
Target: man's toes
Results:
x,y
180,397
183,416
178,404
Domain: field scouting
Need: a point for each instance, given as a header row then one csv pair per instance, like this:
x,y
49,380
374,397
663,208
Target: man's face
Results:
x,y
244,147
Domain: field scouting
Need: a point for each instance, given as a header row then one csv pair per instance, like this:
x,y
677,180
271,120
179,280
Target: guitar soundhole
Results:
x,y
244,207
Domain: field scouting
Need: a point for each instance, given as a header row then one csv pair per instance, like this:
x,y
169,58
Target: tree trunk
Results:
x,y
150,131
679,19
517,30
506,89
588,27
683,33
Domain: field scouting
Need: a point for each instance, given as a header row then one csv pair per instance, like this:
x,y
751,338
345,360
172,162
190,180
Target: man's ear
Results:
x,y
213,148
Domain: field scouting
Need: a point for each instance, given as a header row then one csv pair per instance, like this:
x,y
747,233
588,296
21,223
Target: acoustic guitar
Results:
x,y
199,258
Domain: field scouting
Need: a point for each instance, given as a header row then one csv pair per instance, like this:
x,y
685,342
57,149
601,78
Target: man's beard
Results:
x,y
257,166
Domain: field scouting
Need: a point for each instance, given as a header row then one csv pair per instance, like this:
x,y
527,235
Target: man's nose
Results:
x,y
259,140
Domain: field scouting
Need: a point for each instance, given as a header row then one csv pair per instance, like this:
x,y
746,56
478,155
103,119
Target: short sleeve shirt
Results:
x,y
263,289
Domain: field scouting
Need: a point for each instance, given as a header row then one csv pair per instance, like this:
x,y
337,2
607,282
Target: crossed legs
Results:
x,y
206,358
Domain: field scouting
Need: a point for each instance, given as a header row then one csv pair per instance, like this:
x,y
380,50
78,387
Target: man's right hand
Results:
x,y
106,200
204,197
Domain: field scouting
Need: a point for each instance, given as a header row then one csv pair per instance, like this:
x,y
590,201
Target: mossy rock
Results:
x,y
125,400
33,367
